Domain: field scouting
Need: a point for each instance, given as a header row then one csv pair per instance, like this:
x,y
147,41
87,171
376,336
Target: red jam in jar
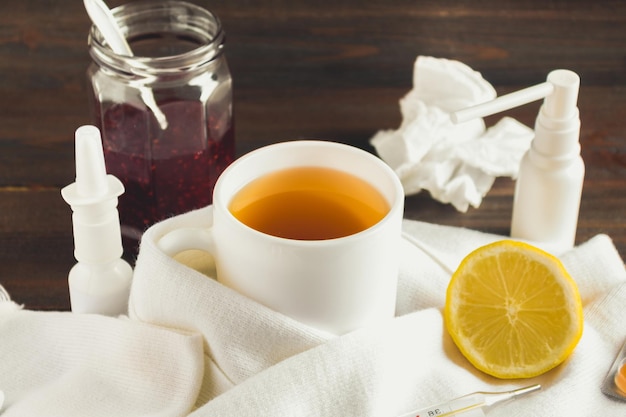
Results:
x,y
167,168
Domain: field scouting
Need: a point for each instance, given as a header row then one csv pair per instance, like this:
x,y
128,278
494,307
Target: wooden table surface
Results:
x,y
307,69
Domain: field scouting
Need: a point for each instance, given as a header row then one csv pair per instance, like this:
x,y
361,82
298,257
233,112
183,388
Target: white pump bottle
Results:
x,y
100,282
550,181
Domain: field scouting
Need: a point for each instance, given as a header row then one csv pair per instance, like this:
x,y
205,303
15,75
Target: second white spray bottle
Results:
x,y
550,180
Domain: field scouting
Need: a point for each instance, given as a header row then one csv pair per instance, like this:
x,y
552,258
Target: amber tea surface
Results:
x,y
309,203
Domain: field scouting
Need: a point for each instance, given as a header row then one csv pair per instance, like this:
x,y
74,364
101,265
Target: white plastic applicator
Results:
x,y
100,281
550,182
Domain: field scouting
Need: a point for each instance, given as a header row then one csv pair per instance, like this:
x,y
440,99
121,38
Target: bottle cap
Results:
x,y
93,197
560,104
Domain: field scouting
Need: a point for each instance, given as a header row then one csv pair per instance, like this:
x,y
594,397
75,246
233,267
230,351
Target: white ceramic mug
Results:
x,y
336,285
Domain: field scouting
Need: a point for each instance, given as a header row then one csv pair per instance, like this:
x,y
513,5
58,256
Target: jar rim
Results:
x,y
141,18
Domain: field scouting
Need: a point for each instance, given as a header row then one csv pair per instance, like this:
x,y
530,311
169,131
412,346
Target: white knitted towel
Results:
x,y
194,346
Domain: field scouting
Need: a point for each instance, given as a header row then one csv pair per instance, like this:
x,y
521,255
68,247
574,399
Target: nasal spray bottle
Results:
x,y
550,180
100,281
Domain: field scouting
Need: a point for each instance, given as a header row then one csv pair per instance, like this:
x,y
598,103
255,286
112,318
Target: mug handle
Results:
x,y
187,238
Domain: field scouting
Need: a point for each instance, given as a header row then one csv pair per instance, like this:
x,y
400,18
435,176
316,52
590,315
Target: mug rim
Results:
x,y
395,204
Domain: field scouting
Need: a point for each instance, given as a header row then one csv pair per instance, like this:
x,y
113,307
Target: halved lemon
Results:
x,y
513,310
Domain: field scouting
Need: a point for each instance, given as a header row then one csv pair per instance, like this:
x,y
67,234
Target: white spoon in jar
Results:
x,y
104,20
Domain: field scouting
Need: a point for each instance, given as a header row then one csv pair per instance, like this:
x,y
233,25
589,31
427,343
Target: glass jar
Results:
x,y
165,113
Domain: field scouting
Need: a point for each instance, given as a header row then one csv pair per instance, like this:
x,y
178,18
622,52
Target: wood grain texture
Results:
x,y
307,69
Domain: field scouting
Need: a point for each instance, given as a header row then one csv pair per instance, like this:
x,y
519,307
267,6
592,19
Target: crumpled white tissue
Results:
x,y
456,163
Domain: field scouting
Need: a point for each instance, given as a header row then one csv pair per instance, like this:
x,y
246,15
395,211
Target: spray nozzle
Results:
x,y
91,176
560,92
92,182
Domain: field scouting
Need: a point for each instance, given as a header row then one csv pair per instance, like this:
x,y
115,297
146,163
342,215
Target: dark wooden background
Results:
x,y
307,69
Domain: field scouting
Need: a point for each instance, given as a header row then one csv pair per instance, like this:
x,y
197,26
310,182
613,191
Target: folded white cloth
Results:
x,y
256,362
457,164
64,364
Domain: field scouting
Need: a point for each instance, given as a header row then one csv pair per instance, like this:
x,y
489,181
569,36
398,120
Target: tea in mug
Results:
x,y
309,203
